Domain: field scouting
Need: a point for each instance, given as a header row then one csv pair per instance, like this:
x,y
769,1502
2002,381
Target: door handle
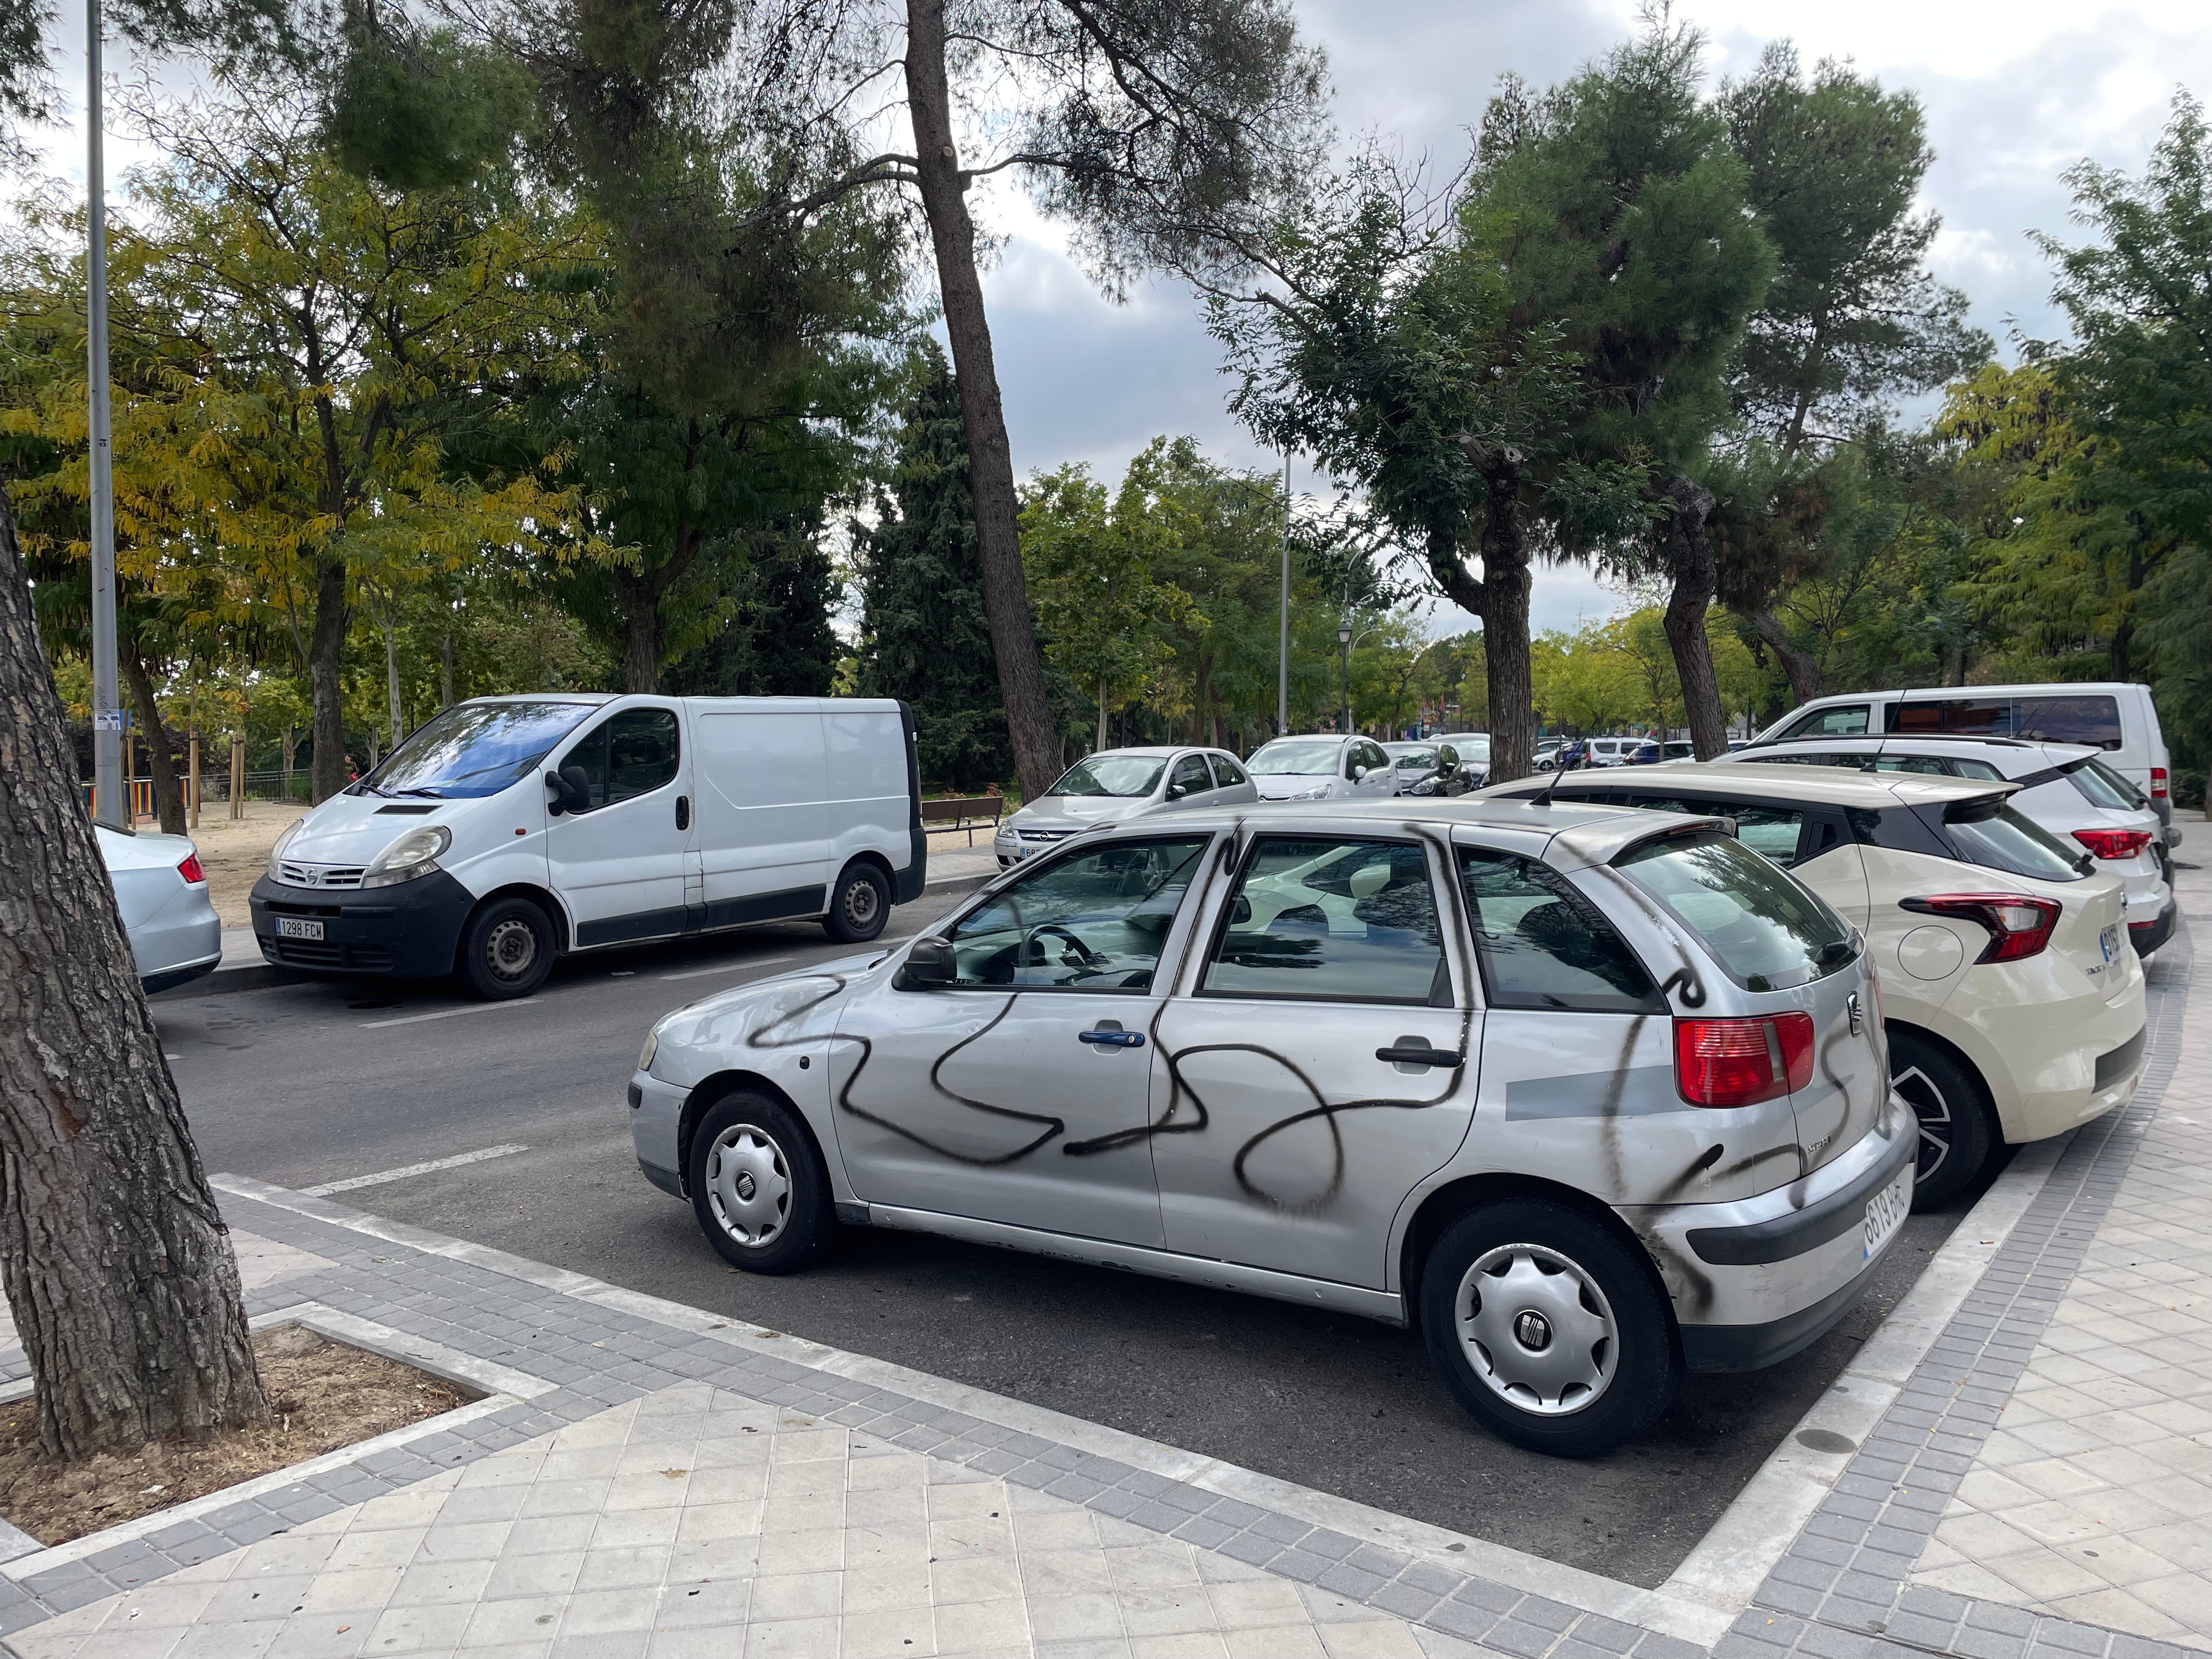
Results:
x,y
1408,1051
684,812
1112,1037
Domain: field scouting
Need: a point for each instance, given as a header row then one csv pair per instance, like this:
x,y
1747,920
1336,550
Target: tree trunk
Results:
x,y
1803,673
161,757
641,641
445,670
391,671
1500,599
118,1267
983,418
1102,725
326,691
1696,574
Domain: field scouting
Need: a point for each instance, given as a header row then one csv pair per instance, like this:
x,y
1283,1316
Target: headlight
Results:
x,y
414,855
282,841
1321,794
645,1054
1425,786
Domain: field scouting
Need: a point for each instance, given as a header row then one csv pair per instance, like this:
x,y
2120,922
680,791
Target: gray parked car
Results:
x,y
1116,784
1581,1091
162,893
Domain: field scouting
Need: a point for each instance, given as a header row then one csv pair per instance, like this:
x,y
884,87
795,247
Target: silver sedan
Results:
x,y
162,893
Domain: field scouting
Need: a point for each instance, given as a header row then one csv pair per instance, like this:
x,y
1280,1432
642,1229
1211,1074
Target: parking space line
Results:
x,y
408,1170
449,1013
732,967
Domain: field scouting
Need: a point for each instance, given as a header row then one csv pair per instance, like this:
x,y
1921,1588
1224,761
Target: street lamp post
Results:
x,y
108,787
1344,668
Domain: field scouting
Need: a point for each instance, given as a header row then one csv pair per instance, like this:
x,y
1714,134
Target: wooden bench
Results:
x,y
969,812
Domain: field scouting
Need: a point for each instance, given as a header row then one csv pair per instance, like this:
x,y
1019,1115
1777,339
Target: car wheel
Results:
x,y
1953,1109
506,950
757,1185
1549,1330
859,906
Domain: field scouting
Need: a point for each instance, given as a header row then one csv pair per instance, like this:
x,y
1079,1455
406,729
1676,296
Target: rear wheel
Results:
x,y
1547,1327
757,1184
1956,1123
506,950
859,906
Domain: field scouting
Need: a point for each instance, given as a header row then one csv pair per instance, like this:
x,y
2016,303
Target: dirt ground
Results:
x,y
324,1393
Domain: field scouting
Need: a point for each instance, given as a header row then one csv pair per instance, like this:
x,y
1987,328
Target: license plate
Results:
x,y
2108,942
298,927
1885,1213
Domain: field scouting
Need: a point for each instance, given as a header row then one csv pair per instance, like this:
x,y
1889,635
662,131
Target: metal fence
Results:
x,y
215,789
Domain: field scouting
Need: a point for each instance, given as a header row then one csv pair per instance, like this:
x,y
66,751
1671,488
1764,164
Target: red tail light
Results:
x,y
2019,925
2158,783
190,871
2113,843
1741,1062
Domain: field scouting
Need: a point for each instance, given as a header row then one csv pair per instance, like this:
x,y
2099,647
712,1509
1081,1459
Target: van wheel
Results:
x,y
1548,1329
859,905
1953,1109
506,950
757,1185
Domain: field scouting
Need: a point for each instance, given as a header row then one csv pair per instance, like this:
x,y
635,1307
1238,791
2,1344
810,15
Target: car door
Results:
x,y
1317,1058
1021,1093
618,860
1378,780
1232,784
1189,783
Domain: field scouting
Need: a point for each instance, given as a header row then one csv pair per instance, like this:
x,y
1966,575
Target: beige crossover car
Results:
x,y
2014,1003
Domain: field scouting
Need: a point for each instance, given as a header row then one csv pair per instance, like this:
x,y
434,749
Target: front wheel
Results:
x,y
1547,1328
859,906
1955,1118
506,950
757,1185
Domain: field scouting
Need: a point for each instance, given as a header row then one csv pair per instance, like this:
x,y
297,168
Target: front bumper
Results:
x,y
1755,1280
410,931
656,1119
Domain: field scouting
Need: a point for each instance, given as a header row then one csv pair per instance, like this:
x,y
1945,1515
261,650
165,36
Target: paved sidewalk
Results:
x,y
643,1479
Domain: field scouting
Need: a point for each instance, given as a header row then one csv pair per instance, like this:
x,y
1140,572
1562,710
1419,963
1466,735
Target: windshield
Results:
x,y
2100,786
1285,758
1471,749
1767,931
1124,775
476,748
1996,836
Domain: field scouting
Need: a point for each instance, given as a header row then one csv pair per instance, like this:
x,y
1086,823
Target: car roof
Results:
x,y
1575,832
1829,786
2030,752
1150,750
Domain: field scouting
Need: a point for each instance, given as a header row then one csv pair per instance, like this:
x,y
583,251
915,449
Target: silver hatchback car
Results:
x,y
1584,1092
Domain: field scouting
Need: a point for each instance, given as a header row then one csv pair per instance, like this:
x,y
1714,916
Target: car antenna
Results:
x,y
1543,797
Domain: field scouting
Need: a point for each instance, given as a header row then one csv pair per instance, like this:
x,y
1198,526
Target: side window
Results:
x,y
1447,757
1974,768
641,752
1092,922
1189,777
2091,719
589,757
1339,920
1771,831
1353,760
1977,717
1845,720
1926,765
1542,945
1227,772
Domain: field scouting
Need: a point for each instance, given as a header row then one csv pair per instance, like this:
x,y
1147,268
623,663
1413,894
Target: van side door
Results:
x,y
618,858
763,832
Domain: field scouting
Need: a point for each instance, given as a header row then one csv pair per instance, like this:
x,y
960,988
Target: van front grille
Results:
x,y
317,875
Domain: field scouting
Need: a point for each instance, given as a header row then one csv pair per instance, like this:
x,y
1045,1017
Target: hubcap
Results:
x,y
749,1185
861,901
1537,1330
511,947
1934,1113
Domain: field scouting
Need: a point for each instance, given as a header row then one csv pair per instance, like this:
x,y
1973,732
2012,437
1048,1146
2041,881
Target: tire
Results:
x,y
1558,1266
1957,1123
757,1184
506,950
860,904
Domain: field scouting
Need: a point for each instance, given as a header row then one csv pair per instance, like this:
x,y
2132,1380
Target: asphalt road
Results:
x,y
314,1083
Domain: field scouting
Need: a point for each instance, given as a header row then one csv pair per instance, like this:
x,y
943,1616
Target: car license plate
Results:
x,y
1885,1213
2108,942
298,927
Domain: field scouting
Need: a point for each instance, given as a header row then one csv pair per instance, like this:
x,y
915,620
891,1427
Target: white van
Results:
x,y
510,830
2107,715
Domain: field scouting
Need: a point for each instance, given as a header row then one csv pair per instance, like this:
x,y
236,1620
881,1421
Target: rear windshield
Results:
x,y
476,748
1994,836
1765,929
2100,786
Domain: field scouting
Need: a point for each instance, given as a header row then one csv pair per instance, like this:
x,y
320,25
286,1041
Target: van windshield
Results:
x,y
476,748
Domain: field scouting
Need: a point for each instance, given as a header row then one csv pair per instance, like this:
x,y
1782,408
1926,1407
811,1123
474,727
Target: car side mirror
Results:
x,y
1357,773
559,804
929,964
1177,792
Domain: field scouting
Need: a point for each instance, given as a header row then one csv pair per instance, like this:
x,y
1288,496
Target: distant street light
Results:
x,y
109,787
1344,669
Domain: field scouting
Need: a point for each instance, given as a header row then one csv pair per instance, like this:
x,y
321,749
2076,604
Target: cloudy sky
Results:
x,y
2015,92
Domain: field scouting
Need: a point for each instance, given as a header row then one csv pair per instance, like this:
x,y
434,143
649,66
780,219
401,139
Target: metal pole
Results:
x,y
1344,683
1283,636
107,707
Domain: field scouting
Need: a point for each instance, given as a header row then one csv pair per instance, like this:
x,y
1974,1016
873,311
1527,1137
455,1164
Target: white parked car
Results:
x,y
2066,787
1324,767
1582,1091
2015,1007
510,830
2113,716
1115,784
175,934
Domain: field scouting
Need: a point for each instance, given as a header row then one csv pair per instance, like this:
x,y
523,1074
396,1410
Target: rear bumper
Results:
x,y
410,931
2148,936
183,974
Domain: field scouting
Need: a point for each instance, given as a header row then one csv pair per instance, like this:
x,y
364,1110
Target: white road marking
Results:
x,y
408,1170
449,1013
733,967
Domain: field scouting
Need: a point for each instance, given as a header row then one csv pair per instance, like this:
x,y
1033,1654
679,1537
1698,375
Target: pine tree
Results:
x,y
925,635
